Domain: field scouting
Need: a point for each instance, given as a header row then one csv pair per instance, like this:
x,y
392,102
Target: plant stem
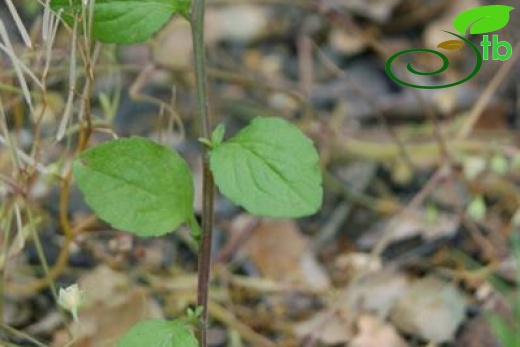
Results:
x,y
197,32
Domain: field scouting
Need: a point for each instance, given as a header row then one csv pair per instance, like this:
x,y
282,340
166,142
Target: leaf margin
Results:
x,y
241,199
80,170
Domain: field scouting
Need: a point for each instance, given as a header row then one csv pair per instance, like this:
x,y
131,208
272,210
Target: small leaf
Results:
x,y
270,168
483,19
205,141
499,164
218,135
194,226
136,185
477,208
125,21
429,300
451,45
159,333
432,213
194,313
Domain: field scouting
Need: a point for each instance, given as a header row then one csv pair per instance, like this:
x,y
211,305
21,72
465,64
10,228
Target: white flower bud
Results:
x,y
71,299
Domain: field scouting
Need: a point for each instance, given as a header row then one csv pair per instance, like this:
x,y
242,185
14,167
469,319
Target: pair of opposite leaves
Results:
x,y
270,168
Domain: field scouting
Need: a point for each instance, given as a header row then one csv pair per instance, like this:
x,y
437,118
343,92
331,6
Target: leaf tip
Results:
x,y
218,135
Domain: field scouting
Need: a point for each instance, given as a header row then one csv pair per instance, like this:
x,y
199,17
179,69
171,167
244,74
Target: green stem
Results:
x,y
197,30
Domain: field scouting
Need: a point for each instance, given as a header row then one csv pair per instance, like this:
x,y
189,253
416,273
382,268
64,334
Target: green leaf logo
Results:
x,y
483,19
449,45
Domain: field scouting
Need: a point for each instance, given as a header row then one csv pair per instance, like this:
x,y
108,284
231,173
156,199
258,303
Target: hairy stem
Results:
x,y
197,30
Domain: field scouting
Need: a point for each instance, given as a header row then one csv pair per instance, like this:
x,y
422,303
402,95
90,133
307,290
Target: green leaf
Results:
x,y
477,208
503,331
270,168
499,164
159,333
136,185
125,21
218,135
483,19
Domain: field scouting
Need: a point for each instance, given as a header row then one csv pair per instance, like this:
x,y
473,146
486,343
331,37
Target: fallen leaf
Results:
x,y
281,253
432,309
102,285
410,225
327,327
379,11
238,23
375,333
375,293
347,42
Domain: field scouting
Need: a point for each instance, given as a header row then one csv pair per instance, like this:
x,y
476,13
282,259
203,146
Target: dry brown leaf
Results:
x,y
240,23
243,23
173,45
378,10
281,253
327,327
375,333
413,224
102,285
346,42
376,293
432,309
